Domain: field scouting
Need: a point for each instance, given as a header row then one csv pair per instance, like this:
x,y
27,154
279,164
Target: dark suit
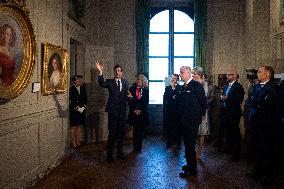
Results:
x,y
265,130
77,99
171,113
138,121
116,108
230,117
191,108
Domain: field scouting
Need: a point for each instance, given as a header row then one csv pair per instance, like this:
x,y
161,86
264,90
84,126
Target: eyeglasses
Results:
x,y
231,74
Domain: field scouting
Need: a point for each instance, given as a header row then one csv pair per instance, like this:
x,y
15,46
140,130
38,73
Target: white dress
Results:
x,y
204,125
55,78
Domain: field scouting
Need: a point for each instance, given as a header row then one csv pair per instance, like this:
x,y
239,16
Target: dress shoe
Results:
x,y
168,146
121,156
187,173
109,159
185,167
137,150
253,175
266,181
235,158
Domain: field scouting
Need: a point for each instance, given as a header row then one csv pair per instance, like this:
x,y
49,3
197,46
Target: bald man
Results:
x,y
231,99
265,134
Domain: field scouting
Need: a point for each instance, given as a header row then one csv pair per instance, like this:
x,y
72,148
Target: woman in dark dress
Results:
x,y
138,115
78,105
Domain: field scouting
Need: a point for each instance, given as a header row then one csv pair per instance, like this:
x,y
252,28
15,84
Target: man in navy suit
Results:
x,y
231,99
191,108
116,108
265,125
173,130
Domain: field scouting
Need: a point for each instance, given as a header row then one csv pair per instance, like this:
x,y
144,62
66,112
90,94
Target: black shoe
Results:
x,y
109,159
168,146
266,181
121,156
137,150
253,175
235,158
187,173
185,167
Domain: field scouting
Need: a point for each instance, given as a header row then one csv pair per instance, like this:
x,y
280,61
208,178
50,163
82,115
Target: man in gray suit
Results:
x,y
116,108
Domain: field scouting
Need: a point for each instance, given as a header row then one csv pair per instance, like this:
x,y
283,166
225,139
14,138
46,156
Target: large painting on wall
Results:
x,y
17,49
54,77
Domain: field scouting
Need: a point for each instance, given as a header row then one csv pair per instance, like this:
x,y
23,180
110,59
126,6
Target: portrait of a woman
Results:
x,y
55,70
7,60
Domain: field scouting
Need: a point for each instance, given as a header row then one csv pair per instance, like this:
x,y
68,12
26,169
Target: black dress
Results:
x,y
77,99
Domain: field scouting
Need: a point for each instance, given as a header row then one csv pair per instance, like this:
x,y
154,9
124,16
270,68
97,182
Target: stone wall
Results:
x,y
34,132
34,127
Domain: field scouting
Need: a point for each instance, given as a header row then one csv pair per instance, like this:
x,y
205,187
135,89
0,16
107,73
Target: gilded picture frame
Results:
x,y
54,76
17,49
281,13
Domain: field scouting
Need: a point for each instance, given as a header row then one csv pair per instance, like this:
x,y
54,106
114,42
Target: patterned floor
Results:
x,y
155,168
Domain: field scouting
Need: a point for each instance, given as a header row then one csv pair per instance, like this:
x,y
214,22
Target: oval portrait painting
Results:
x,y
11,50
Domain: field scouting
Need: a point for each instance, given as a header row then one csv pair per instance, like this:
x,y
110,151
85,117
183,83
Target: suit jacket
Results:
x,y
80,100
170,98
265,102
234,99
77,99
116,103
192,103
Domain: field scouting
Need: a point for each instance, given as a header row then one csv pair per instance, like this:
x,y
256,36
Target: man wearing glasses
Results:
x,y
231,99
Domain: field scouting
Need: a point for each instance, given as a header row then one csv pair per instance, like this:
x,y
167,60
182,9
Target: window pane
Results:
x,y
158,45
158,68
179,62
160,22
183,44
156,92
182,22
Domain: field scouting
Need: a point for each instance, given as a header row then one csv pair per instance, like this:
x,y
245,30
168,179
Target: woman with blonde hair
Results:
x,y
138,110
203,130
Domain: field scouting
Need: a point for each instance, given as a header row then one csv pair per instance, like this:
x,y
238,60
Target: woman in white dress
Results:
x,y
204,125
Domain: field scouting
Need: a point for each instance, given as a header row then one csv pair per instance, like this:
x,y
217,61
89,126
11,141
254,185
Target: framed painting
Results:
x,y
281,13
17,49
54,76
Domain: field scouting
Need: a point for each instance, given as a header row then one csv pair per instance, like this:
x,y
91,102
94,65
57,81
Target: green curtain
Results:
x,y
142,24
200,27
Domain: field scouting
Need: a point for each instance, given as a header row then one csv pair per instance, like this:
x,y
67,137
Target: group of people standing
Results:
x,y
265,122
187,114
191,110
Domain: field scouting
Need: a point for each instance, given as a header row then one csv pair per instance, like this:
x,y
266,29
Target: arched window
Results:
x,y
171,45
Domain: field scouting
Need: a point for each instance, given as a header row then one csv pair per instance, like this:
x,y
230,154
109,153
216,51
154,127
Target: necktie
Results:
x,y
118,84
228,89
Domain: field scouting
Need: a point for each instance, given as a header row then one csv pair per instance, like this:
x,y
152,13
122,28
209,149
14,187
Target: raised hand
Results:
x,y
100,67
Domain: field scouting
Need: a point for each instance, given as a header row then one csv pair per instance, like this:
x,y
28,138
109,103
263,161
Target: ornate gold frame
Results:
x,y
49,51
15,11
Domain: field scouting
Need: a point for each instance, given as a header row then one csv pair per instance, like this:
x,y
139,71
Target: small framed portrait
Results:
x,y
54,76
222,80
17,49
